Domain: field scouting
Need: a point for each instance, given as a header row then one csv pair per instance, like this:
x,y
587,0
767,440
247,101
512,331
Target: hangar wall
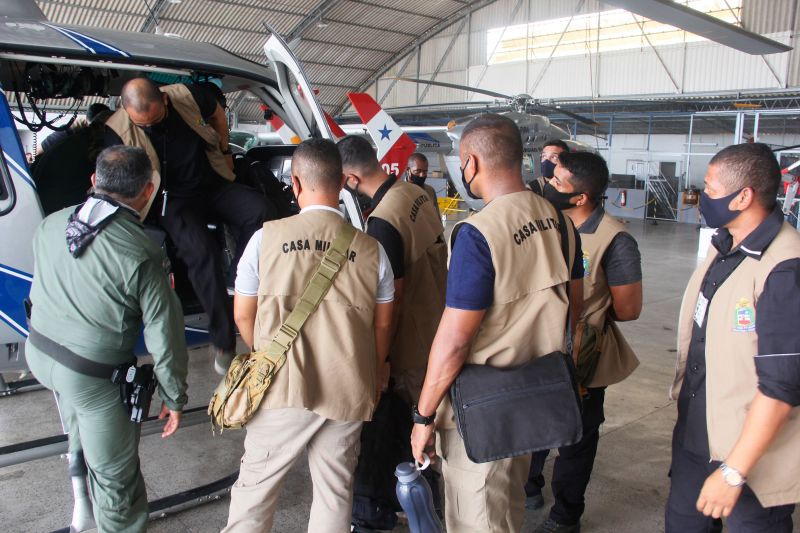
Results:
x,y
628,148
459,55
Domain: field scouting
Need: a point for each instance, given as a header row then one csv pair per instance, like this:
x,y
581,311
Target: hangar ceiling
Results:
x,y
343,44
346,45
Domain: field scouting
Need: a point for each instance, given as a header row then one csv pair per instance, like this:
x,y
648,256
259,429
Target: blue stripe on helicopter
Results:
x,y
15,286
90,44
9,140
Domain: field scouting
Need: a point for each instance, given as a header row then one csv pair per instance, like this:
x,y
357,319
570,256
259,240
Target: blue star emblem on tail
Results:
x,y
385,132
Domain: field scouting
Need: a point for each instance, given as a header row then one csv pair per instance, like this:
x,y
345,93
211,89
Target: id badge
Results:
x,y
700,310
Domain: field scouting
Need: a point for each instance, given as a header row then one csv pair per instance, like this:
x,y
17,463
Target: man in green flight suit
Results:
x,y
97,279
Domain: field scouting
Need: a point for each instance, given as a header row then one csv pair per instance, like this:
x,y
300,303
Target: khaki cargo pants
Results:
x,y
485,497
276,439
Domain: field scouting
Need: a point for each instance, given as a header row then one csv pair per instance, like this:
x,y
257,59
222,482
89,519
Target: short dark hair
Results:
x,y
417,158
496,139
123,171
556,142
750,165
357,153
318,164
589,173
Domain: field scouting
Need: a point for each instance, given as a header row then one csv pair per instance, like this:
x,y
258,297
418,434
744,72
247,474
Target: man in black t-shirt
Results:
x,y
192,192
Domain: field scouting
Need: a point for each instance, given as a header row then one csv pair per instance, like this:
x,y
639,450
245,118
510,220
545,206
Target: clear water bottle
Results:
x,y
414,495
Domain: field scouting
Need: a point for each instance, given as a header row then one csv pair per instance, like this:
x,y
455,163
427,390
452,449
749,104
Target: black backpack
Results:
x,y
258,175
384,444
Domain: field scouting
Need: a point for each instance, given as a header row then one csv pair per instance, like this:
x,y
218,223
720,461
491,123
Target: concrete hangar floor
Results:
x,y
628,490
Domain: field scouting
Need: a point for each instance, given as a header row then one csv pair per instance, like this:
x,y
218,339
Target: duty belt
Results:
x,y
68,358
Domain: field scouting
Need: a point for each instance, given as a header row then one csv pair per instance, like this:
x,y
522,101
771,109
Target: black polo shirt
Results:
x,y
185,169
622,262
386,234
55,138
778,360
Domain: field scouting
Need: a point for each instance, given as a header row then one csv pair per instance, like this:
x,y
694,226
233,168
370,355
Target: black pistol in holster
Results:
x,y
136,387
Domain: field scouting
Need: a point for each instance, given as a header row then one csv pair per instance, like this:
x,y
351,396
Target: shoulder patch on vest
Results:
x,y
586,271
744,318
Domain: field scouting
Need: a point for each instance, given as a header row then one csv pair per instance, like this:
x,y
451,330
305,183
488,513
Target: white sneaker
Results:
x,y
222,360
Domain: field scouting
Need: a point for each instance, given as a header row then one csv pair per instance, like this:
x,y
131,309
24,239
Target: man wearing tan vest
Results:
x,y
507,303
417,173
612,292
329,383
736,444
185,133
404,220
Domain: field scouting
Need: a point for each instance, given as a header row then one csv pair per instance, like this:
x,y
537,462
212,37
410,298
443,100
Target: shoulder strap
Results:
x,y
568,250
536,186
565,242
313,294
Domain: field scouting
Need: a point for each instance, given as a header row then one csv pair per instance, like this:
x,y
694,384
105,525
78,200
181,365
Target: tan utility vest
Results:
x,y
618,360
411,212
528,317
183,102
731,380
331,367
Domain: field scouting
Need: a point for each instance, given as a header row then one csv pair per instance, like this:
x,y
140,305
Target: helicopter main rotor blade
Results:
x,y
456,86
547,109
579,118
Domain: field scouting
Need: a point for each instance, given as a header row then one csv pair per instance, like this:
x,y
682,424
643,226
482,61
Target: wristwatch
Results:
x,y
420,419
732,477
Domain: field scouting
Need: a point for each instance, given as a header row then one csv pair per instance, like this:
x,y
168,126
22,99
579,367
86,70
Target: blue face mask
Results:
x,y
715,210
548,167
467,183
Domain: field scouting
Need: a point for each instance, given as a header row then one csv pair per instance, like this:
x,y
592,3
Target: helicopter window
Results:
x,y
6,190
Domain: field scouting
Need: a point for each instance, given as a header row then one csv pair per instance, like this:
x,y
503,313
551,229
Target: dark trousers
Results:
x,y
573,466
186,219
688,473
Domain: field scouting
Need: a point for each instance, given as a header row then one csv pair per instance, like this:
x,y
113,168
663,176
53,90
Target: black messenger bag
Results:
x,y
505,412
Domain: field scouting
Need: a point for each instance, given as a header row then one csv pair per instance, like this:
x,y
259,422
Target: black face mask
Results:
x,y
467,183
560,200
417,180
547,167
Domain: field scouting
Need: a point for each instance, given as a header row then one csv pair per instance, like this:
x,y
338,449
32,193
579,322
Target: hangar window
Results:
x,y
603,31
